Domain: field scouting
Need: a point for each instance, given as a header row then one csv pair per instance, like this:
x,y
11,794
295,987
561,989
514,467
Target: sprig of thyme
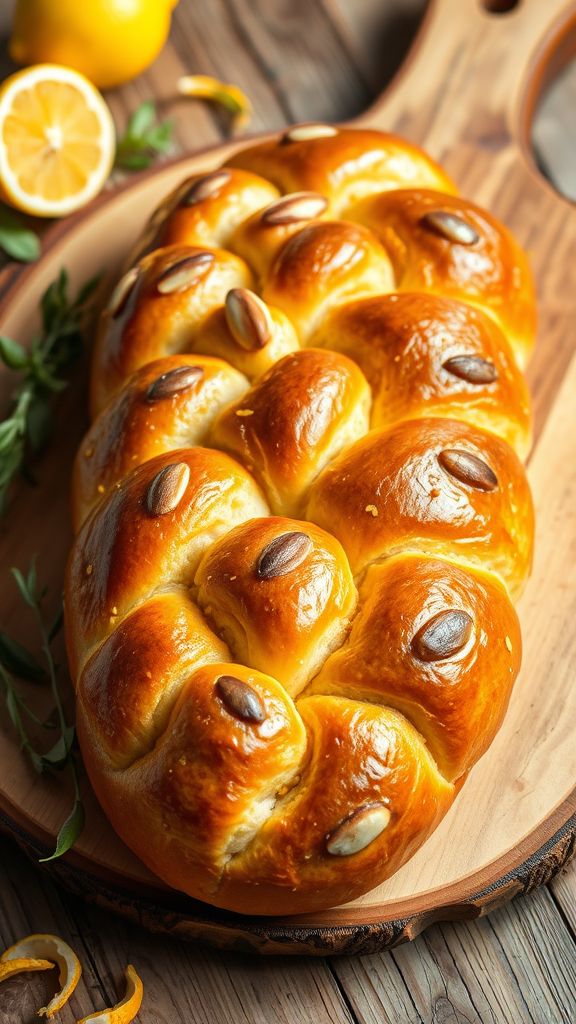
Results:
x,y
144,139
17,662
28,426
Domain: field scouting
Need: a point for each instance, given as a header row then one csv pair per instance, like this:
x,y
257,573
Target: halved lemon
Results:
x,y
57,140
38,953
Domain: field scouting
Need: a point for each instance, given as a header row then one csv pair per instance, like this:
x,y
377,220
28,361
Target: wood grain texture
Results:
x,y
181,996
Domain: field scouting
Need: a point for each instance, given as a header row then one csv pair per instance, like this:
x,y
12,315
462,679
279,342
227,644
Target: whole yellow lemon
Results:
x,y
108,41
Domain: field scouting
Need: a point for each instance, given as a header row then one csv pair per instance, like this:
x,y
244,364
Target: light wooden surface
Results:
x,y
518,964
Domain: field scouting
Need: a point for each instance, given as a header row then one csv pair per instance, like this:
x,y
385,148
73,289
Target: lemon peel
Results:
x,y
231,97
124,1011
39,952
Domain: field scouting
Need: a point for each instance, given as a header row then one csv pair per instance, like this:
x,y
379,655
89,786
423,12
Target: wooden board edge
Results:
x,y
223,930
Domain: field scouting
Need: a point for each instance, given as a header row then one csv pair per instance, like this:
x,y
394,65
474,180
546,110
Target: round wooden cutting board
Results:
x,y
467,94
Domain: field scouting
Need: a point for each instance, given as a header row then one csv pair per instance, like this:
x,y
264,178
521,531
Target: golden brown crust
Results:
x,y
437,486
169,403
419,644
343,166
426,355
281,593
293,421
165,301
267,731
205,210
445,244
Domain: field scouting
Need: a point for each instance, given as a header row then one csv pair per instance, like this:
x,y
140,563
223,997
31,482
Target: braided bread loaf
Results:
x,y
301,515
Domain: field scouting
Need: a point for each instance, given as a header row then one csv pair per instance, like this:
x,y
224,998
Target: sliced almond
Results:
x,y
451,227
442,636
307,132
167,489
240,699
206,187
174,382
298,206
473,369
248,319
122,292
283,554
358,830
468,469
182,275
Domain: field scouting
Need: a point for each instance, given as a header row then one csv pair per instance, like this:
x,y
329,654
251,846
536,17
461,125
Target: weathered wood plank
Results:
x,y
516,965
563,888
378,34
29,902
182,982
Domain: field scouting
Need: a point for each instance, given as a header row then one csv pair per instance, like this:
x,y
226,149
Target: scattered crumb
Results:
x,y
148,675
244,412
100,488
372,510
114,610
233,578
89,570
182,760
508,643
89,452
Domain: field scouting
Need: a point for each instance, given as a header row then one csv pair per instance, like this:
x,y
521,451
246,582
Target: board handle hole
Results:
x,y
500,6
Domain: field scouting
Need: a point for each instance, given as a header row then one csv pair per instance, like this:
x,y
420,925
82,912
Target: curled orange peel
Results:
x,y
40,953
126,1009
204,87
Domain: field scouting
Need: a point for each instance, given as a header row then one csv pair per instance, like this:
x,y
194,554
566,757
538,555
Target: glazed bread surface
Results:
x,y
302,517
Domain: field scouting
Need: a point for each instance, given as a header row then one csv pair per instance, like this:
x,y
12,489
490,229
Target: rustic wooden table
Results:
x,y
316,59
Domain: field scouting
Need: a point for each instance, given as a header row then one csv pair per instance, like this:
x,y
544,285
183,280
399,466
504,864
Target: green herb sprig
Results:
x,y
17,662
144,139
17,241
28,426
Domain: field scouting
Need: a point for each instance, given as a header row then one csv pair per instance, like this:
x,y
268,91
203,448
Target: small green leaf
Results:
x,y
58,755
23,588
57,624
17,240
17,660
12,354
143,139
39,423
141,120
8,432
69,831
134,161
31,579
160,137
87,289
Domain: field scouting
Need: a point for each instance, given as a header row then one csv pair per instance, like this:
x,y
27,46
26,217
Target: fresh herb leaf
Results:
x,y
12,354
23,587
69,832
15,660
19,661
142,119
57,756
144,139
16,240
57,624
43,373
